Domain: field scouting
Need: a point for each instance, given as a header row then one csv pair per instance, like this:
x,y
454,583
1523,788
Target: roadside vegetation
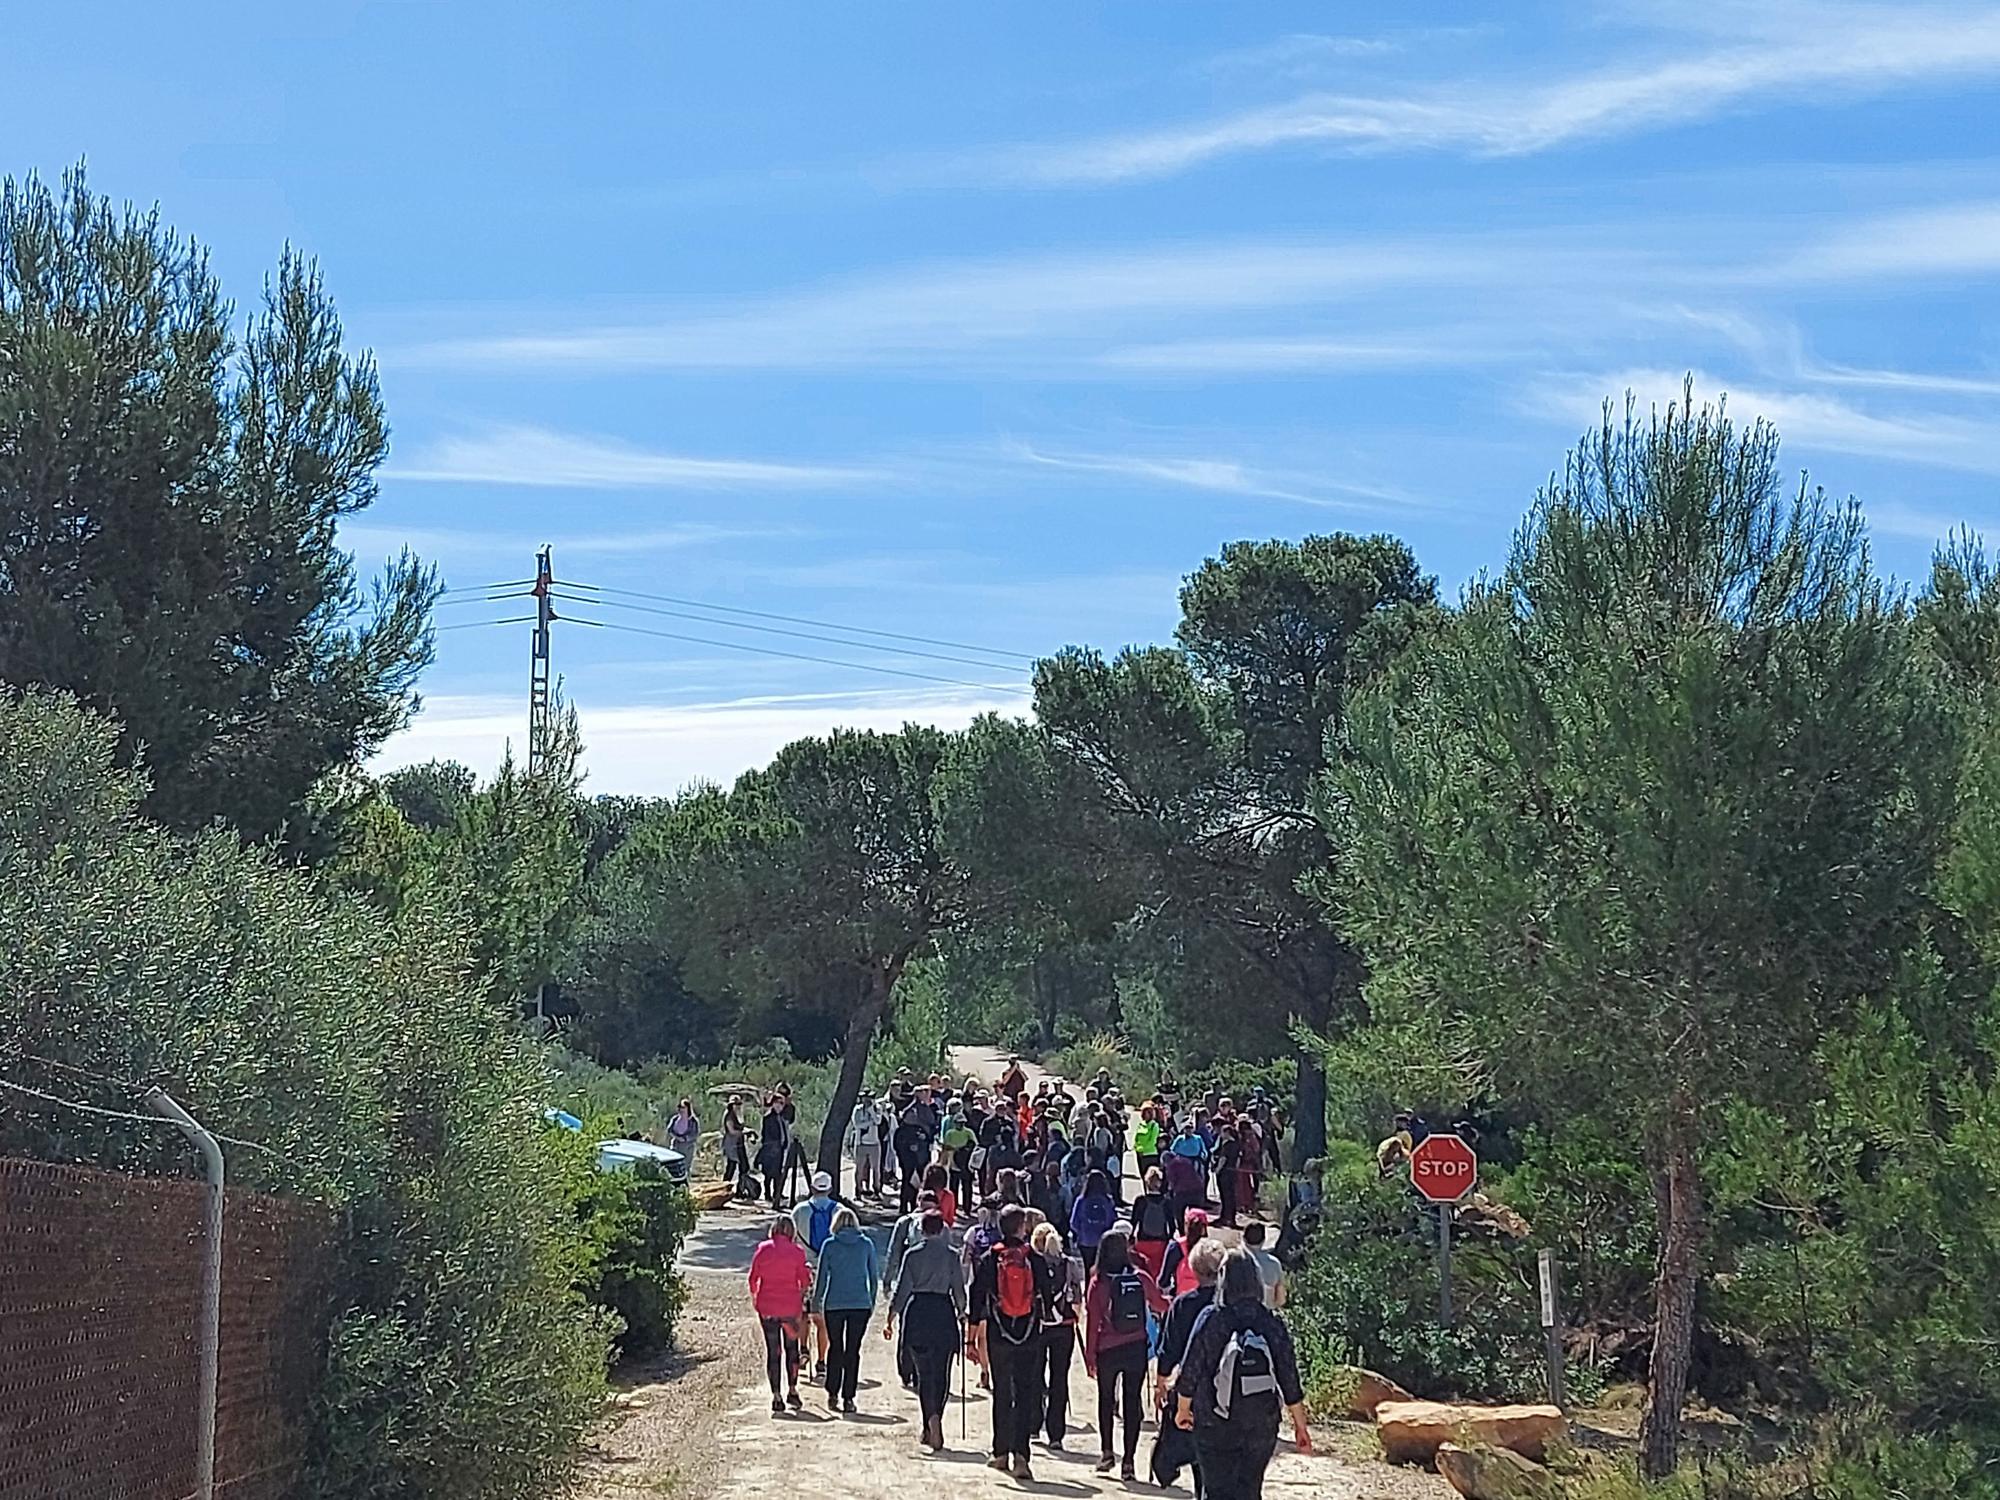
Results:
x,y
1669,854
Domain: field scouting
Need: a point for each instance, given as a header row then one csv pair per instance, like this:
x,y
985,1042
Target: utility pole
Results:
x,y
538,666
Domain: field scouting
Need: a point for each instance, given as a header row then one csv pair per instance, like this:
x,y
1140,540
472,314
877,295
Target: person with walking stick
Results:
x,y
930,1301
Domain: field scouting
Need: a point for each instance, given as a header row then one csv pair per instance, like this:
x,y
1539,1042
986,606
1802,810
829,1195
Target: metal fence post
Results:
x,y
209,1335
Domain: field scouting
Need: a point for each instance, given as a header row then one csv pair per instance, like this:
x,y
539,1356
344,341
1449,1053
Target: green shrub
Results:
x,y
461,1364
633,1225
1368,1295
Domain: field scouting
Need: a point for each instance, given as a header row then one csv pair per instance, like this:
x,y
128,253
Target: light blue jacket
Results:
x,y
850,1276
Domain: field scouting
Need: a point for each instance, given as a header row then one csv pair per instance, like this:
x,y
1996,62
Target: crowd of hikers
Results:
x,y
1019,1249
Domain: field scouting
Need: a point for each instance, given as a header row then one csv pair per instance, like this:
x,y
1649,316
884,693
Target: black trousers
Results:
x,y
929,1342
1058,1349
781,1354
844,1328
1231,1471
1017,1391
1121,1380
1230,1184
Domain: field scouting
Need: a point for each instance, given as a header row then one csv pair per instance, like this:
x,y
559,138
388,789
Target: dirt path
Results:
x,y
701,1424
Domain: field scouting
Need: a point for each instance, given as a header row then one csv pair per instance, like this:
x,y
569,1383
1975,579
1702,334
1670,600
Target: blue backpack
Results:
x,y
819,1228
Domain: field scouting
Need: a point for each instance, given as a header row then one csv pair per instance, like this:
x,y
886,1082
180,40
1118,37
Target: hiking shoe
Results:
x,y
794,1402
1001,1462
1106,1463
1022,1471
1055,1445
777,1407
848,1406
1128,1472
820,1369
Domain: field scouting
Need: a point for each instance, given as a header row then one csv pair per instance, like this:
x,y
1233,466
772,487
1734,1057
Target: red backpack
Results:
x,y
1014,1282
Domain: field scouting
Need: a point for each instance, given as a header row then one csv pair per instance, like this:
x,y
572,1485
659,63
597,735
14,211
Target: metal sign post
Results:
x,y
1552,1328
1445,1211
1444,1168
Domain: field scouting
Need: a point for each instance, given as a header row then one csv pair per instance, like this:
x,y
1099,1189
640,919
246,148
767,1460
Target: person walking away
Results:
x,y
1239,1373
684,1133
774,1141
979,1240
1152,1225
1176,1273
1059,1333
813,1222
937,1183
929,1302
1012,1291
1228,1177
1174,1449
1276,1289
1114,1346
1093,1216
779,1280
907,1234
1045,1196
1186,1176
844,1293
864,1147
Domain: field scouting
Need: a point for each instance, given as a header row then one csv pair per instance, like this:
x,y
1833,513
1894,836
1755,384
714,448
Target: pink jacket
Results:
x,y
779,1279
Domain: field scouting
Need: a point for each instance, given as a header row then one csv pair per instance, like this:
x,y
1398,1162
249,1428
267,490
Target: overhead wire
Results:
x,y
475,624
803,635
824,661
765,614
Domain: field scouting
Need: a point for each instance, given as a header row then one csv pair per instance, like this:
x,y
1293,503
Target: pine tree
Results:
x,y
169,496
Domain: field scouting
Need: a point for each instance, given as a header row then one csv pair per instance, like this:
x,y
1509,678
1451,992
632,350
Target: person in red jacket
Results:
x,y
780,1277
1114,1345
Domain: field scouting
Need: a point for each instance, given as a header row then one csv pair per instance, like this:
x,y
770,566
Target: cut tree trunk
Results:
x,y
868,1013
1682,1230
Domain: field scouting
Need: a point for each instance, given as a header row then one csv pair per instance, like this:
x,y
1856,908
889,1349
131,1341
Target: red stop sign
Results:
x,y
1443,1168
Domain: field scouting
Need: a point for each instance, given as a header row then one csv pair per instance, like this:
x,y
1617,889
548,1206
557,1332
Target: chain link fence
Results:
x,y
100,1295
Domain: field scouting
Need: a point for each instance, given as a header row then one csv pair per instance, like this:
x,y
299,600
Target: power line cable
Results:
x,y
803,635
765,614
475,624
824,661
481,588
485,598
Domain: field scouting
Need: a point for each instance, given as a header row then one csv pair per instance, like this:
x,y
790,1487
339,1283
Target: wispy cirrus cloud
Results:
x,y
1954,239
379,538
1842,54
1809,418
1299,54
1285,355
1226,476
1032,307
540,457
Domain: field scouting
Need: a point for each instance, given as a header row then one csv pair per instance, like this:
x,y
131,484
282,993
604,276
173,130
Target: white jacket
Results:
x,y
864,1129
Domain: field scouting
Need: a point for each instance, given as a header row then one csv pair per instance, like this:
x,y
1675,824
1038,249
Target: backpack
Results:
x,y
819,1227
1128,1302
1152,1221
1014,1282
1246,1382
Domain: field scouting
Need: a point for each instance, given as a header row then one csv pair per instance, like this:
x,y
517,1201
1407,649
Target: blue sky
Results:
x,y
987,323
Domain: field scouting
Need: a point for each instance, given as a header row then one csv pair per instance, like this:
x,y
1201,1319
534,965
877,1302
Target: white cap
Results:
x,y
822,1183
